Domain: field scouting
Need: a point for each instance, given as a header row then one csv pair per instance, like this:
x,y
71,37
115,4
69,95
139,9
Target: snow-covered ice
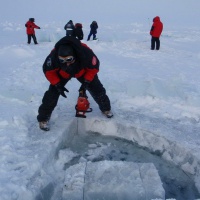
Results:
x,y
155,95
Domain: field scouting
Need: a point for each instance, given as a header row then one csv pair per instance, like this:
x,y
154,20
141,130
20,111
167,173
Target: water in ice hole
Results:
x,y
95,147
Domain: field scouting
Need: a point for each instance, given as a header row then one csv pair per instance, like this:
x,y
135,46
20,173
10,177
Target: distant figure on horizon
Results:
x,y
69,27
93,30
155,32
30,26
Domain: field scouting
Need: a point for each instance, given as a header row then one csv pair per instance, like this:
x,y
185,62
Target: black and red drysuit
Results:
x,y
85,69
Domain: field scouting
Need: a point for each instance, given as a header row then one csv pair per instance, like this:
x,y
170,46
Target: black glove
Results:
x,y
61,89
39,28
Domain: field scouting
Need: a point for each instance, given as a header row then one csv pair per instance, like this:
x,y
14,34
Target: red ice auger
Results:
x,y
83,105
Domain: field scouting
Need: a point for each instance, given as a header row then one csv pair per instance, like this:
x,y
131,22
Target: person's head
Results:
x,y
157,18
66,54
31,19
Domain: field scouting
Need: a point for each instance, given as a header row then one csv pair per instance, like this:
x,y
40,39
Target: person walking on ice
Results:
x,y
93,30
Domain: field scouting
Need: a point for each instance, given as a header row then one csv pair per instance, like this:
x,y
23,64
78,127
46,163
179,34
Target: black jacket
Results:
x,y
94,27
78,31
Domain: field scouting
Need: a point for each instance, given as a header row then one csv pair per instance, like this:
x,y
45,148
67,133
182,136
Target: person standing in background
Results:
x,y
69,27
78,31
30,30
155,32
93,30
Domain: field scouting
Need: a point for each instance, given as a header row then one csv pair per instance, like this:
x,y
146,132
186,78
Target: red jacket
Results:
x,y
157,27
30,26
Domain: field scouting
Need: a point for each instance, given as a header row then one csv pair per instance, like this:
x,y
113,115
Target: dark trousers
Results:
x,y
155,41
31,36
51,96
92,34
